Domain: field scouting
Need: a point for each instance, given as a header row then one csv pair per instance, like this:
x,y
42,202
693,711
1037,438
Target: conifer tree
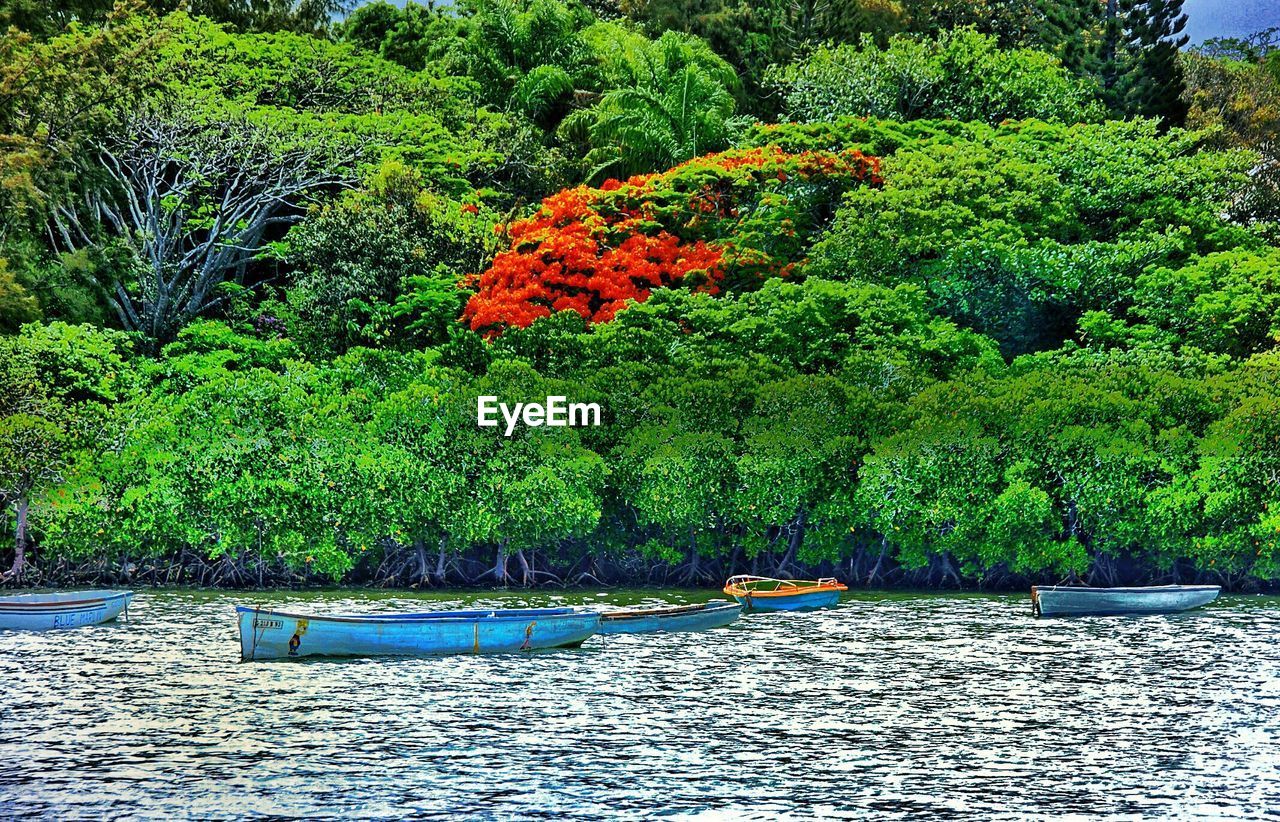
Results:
x,y
1138,65
1156,36
1066,30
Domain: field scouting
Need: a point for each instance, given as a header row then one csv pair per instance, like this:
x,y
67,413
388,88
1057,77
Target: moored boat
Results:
x,y
699,617
1063,600
271,634
767,594
67,609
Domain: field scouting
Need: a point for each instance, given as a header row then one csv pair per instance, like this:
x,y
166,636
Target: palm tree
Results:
x,y
528,55
676,105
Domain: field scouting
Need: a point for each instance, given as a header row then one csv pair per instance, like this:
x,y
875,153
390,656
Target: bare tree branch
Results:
x,y
192,199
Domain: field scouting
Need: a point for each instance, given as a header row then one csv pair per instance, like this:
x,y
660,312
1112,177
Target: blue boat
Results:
x,y
1064,600
69,609
270,634
768,594
699,617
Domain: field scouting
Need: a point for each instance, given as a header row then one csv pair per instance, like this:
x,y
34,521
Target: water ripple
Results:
x,y
892,706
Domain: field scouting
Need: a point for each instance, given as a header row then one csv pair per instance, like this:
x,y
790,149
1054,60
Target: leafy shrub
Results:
x,y
382,265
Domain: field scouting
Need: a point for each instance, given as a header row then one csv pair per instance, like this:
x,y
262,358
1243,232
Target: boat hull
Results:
x,y
714,615
803,601
266,634
1052,600
53,612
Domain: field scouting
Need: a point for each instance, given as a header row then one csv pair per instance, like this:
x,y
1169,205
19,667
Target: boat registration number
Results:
x,y
266,624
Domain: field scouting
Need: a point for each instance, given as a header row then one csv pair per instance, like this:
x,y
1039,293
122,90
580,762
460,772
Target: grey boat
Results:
x,y
1060,600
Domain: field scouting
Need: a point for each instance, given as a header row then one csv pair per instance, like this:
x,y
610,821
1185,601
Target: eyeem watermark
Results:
x,y
556,412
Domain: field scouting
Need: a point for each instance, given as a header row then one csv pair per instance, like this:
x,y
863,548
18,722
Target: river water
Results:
x,y
890,706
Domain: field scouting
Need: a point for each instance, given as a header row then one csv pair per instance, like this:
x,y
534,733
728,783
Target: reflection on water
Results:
x,y
947,705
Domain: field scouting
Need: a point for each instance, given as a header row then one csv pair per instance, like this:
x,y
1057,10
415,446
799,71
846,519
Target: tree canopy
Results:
x,y
919,293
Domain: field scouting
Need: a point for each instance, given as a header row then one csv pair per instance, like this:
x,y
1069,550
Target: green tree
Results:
x,y
1252,48
55,96
961,75
1237,529
17,304
671,103
754,36
302,16
533,490
31,456
525,52
1156,32
677,482
414,35
383,265
795,467
44,19
1227,302
1138,64
167,169
1241,99
1016,235
239,137
426,494
243,465
55,382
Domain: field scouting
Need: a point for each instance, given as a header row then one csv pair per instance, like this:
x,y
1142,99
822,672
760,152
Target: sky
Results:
x,y
1229,18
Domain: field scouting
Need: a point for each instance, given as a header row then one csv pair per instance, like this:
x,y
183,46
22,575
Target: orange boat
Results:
x,y
767,594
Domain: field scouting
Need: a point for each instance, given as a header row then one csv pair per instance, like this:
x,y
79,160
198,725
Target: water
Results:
x,y
891,705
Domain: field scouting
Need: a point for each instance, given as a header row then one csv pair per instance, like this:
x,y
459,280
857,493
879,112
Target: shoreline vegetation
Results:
x,y
913,294
406,569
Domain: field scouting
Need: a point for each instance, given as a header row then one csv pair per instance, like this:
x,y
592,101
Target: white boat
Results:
x,y
1063,600
68,609
269,634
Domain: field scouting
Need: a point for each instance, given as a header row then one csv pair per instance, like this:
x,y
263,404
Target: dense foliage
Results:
x,y
917,293
962,75
734,218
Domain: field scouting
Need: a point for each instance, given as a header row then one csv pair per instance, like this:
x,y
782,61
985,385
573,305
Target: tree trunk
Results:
x,y
949,570
20,542
875,571
796,538
526,573
421,550
500,565
444,540
1102,568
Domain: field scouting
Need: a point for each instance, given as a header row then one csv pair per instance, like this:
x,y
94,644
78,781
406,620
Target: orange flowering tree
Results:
x,y
727,220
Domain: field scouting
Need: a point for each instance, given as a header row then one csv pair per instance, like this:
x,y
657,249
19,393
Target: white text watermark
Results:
x,y
555,412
